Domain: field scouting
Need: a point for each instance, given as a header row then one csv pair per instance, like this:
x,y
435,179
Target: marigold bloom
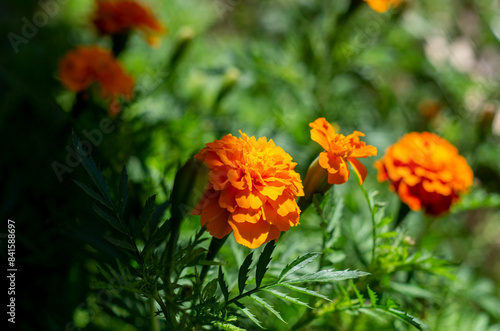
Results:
x,y
381,6
338,150
426,171
252,190
85,65
117,16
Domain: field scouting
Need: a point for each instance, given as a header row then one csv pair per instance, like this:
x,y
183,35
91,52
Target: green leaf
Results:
x,y
287,298
161,233
391,304
110,219
306,291
297,264
249,314
92,193
326,276
387,234
145,215
89,166
373,296
123,191
209,290
360,296
227,326
264,259
243,272
120,243
384,221
407,318
264,304
222,284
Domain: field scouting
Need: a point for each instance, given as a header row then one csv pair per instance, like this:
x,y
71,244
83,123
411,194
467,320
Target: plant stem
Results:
x,y
374,230
155,324
215,246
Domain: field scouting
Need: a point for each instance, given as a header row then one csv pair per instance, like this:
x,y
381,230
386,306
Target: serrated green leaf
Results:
x,y
387,234
90,167
92,193
209,290
120,243
109,218
384,221
297,264
222,284
409,319
267,306
287,297
249,314
373,296
360,296
157,235
123,191
305,291
264,259
391,304
326,276
227,326
145,215
243,272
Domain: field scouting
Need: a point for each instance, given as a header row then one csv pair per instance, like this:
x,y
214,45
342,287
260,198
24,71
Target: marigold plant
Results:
x,y
85,65
252,190
118,16
339,150
426,171
381,6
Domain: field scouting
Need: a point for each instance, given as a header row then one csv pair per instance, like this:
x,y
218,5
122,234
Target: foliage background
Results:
x,y
267,68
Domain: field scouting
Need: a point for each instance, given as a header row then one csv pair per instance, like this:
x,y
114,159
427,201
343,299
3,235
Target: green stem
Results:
x,y
374,230
215,246
155,324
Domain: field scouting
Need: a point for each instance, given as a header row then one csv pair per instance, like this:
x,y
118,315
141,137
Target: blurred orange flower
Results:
x,y
338,150
381,6
252,190
116,16
81,67
426,171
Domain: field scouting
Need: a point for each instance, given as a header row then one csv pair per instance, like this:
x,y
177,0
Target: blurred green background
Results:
x,y
267,68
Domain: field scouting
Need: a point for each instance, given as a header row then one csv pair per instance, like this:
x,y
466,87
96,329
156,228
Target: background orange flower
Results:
x,y
381,6
338,150
116,16
426,171
81,67
252,190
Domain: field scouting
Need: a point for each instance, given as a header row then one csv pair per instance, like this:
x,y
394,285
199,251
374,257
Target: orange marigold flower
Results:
x,y
381,6
252,190
85,65
338,150
426,171
117,16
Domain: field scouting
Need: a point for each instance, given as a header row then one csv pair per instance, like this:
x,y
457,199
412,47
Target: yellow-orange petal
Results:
x,y
241,215
272,191
211,211
330,162
339,177
247,199
364,151
249,234
322,132
358,168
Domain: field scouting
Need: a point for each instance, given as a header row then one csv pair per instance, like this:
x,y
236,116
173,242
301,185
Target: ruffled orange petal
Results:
x,y
358,168
322,132
339,177
251,235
